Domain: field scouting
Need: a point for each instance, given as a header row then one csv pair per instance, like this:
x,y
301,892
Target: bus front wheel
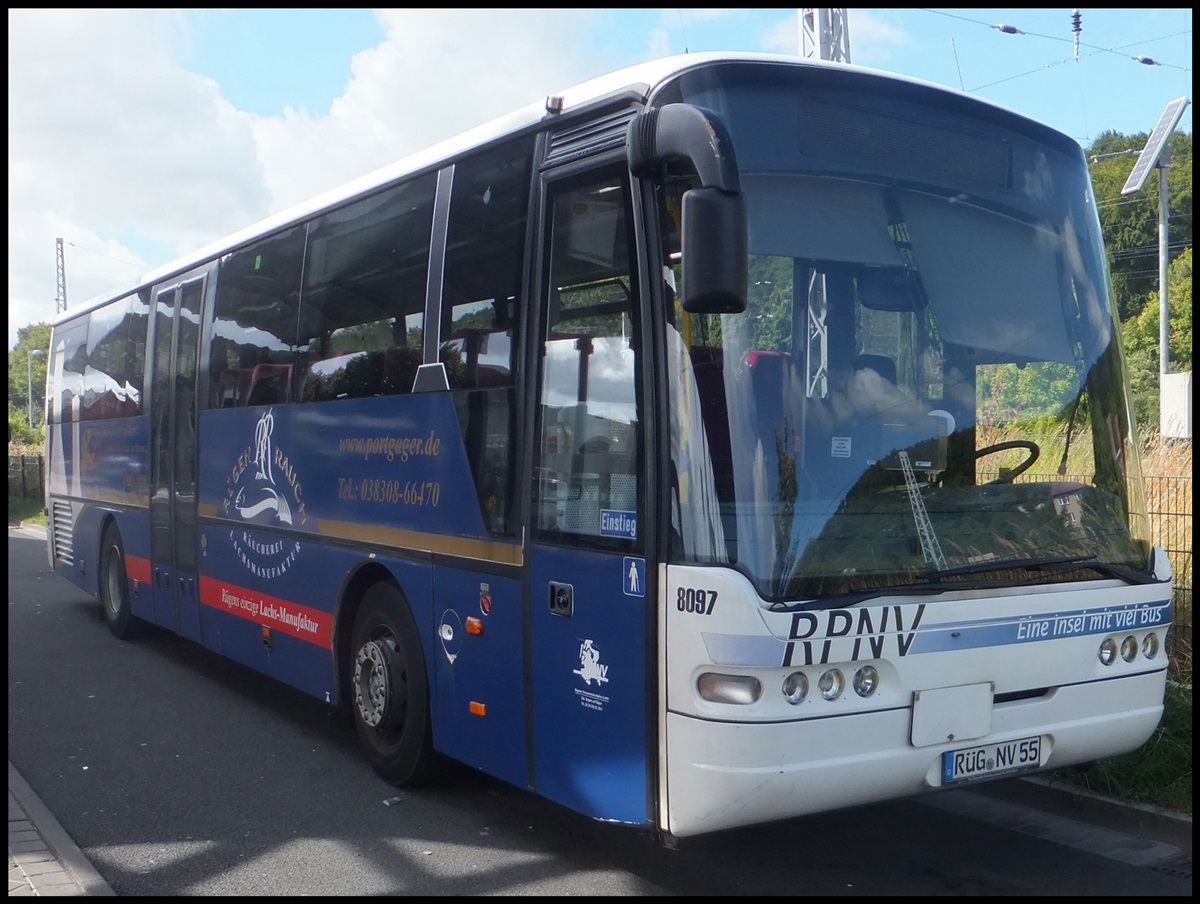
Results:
x,y
114,586
389,688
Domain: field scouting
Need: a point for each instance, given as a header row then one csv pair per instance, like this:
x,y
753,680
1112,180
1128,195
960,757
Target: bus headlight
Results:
x,y
866,680
1108,651
831,684
741,689
795,688
1150,646
1129,648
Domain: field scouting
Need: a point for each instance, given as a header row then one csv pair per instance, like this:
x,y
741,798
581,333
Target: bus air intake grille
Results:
x,y
594,135
60,525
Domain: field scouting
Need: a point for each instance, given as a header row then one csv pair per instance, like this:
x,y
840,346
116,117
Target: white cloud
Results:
x,y
436,74
117,150
874,41
133,160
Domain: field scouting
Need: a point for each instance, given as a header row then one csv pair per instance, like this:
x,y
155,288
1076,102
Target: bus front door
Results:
x,y
173,552
592,689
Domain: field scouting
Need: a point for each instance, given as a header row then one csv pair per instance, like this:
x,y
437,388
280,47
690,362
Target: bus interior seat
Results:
x,y
881,364
876,438
232,387
601,468
473,344
269,384
771,378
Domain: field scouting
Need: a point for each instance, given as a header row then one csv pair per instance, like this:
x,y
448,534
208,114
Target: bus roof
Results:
x,y
641,78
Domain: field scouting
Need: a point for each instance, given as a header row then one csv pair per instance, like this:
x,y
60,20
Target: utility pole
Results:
x,y
1157,153
825,35
61,297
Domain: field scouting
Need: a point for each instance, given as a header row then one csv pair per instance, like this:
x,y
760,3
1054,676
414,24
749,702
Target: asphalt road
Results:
x,y
179,773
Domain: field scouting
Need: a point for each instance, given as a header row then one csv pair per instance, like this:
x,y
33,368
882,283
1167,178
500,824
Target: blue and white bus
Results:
x,y
724,440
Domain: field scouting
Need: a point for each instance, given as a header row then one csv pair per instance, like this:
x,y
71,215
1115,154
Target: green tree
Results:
x,y
22,437
1130,222
27,371
1140,337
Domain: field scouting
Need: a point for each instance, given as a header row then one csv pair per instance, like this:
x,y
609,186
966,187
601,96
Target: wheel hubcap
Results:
x,y
373,685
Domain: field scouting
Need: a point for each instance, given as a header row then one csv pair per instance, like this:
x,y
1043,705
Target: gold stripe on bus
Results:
x,y
91,497
136,500
403,540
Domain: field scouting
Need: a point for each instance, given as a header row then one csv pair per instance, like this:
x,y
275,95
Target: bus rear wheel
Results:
x,y
389,689
114,586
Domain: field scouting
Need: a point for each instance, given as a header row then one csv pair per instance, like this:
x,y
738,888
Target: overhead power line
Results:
x,y
1116,51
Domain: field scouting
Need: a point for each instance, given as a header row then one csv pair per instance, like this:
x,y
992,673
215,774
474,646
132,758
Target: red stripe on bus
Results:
x,y
278,614
137,569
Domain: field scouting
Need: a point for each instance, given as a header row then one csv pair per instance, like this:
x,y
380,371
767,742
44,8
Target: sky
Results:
x,y
139,135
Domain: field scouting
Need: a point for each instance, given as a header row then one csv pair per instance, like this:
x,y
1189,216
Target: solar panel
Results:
x,y
1154,145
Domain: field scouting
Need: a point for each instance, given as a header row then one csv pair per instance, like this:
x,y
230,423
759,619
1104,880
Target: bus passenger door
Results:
x,y
592,689
173,554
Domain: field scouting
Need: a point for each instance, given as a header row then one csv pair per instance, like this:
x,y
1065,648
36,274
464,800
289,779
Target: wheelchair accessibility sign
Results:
x,y
634,571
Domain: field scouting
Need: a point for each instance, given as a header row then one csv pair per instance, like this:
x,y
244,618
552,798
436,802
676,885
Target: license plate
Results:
x,y
991,759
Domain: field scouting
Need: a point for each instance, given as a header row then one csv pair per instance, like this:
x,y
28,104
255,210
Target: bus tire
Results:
x,y
114,586
389,689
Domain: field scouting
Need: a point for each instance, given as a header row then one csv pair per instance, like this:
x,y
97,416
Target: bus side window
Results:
x,y
106,389
586,482
482,292
362,314
258,289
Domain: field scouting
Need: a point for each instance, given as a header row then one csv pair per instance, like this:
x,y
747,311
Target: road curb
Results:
x,y
58,842
1084,805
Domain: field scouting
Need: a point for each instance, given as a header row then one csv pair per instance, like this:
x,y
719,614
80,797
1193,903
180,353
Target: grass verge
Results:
x,y
29,510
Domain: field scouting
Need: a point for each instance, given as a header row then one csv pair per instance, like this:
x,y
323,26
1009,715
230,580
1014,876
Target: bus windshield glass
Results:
x,y
926,390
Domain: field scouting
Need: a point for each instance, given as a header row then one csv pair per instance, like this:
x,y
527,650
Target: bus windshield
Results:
x,y
926,390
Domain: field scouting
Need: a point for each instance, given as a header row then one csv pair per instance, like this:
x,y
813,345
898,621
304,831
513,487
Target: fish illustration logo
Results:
x,y
264,490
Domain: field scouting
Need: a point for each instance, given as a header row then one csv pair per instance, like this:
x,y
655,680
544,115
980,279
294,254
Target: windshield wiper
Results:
x,y
935,585
1055,563
1032,564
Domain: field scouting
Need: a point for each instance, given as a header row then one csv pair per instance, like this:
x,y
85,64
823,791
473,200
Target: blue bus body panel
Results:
x,y
133,526
342,469
103,467
361,476
377,473
101,460
478,693
283,625
590,692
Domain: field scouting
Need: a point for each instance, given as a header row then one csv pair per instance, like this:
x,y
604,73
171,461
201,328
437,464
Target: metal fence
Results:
x,y
26,476
1169,504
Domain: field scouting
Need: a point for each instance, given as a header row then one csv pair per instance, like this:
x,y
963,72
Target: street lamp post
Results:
x,y
33,353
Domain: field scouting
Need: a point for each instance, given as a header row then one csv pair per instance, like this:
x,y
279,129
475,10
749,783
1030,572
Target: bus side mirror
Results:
x,y
714,252
715,224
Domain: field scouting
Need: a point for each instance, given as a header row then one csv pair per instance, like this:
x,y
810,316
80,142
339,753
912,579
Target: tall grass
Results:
x,y
1167,466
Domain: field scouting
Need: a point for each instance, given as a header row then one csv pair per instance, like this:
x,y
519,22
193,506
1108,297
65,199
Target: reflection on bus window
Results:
x,y
588,435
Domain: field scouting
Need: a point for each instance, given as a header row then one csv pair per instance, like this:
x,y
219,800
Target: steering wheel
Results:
x,y
1008,476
